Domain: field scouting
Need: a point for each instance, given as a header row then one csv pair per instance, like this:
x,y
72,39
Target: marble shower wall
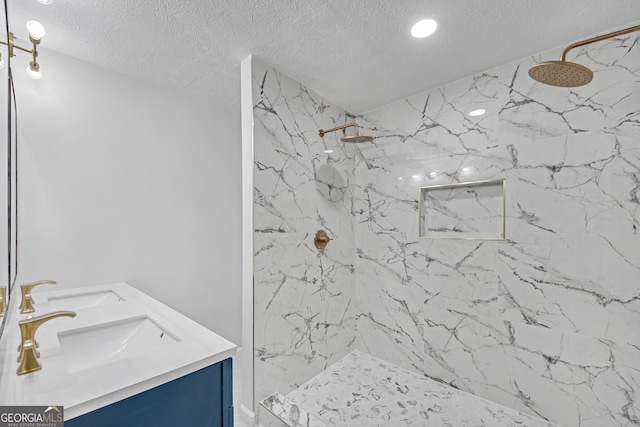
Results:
x,y
303,310
545,322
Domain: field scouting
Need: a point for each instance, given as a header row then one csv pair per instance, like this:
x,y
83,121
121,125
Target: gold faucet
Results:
x,y
28,354
26,306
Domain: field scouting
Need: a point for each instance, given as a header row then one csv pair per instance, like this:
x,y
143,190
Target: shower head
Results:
x,y
348,138
569,74
561,73
356,138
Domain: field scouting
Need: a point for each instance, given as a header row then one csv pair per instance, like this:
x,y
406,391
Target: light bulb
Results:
x,y
34,72
36,29
424,28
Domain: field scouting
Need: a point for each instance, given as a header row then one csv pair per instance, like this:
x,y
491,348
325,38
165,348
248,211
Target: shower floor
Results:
x,y
360,390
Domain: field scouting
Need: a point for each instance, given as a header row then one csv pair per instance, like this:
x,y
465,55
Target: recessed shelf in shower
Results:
x,y
467,211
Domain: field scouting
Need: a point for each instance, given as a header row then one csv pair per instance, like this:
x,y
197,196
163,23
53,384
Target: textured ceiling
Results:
x,y
358,53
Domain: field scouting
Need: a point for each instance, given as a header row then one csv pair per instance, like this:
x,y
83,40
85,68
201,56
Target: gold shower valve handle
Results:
x,y
26,305
321,239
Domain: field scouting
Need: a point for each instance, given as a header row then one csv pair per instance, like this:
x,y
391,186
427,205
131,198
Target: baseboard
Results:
x,y
247,415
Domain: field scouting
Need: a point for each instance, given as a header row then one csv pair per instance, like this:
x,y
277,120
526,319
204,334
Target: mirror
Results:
x,y
8,168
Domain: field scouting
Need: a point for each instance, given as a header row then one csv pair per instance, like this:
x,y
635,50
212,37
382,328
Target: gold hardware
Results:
x,y
12,46
3,301
10,43
26,305
28,354
36,343
599,38
350,138
569,74
321,239
27,317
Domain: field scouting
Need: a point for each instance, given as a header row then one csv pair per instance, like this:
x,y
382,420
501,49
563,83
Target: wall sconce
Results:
x,y
36,32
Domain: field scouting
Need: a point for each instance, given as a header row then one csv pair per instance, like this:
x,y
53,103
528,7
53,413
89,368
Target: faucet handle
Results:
x,y
28,357
26,305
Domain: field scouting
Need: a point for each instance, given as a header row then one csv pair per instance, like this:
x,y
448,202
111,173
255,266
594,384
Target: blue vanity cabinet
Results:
x,y
201,399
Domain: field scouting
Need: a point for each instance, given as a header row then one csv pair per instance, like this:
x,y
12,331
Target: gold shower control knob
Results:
x,y
321,239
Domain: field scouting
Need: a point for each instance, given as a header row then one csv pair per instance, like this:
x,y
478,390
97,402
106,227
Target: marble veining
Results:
x,y
283,412
303,315
463,211
361,390
544,322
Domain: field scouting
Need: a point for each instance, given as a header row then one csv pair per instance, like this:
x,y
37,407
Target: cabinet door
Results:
x,y
201,399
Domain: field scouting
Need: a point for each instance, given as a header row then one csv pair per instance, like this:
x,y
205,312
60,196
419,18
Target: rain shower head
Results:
x,y
356,138
569,74
348,138
561,73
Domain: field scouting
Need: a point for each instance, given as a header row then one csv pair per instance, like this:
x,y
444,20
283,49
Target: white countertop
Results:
x,y
88,389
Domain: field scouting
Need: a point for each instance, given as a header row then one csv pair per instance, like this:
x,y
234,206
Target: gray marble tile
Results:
x,y
458,310
279,411
544,322
303,312
360,390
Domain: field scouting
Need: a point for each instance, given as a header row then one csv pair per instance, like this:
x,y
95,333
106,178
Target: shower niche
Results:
x,y
463,211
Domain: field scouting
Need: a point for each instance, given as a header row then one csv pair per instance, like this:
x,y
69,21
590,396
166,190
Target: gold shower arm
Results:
x,y
597,39
322,132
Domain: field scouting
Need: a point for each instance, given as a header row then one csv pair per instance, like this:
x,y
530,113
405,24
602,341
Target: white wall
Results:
x,y
121,180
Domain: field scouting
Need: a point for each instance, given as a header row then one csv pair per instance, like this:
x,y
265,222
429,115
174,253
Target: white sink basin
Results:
x,y
122,342
96,345
81,299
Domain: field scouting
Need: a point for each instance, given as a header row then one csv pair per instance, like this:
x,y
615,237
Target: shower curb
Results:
x,y
277,410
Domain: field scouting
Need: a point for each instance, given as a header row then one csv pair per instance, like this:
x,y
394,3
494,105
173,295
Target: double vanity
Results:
x,y
124,359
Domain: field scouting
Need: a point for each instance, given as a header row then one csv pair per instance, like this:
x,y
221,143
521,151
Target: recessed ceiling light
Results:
x,y
328,151
45,1
477,112
424,28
